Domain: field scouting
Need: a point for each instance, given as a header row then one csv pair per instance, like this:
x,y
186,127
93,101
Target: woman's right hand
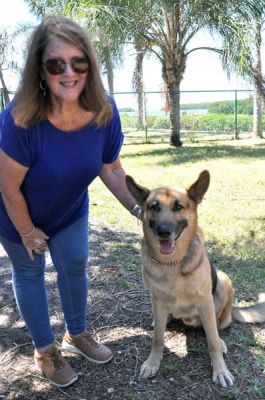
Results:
x,y
11,178
36,242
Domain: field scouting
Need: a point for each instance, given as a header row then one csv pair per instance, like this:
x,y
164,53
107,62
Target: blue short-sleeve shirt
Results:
x,y
61,167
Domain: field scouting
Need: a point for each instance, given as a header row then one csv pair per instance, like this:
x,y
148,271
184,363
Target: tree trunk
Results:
x,y
5,94
174,114
138,83
257,113
257,101
109,70
174,66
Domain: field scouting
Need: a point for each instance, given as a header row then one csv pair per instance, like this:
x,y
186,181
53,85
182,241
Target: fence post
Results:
x,y
235,110
145,117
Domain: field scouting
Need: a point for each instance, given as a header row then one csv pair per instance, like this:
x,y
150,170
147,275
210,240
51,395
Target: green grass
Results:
x,y
258,389
261,361
232,214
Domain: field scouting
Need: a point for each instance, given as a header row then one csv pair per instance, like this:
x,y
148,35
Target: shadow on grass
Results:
x,y
206,152
244,263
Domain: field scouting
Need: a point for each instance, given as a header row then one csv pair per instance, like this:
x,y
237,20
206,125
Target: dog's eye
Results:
x,y
177,207
155,207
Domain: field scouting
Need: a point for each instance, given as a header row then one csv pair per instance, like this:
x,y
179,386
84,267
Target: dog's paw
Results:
x,y
225,379
149,368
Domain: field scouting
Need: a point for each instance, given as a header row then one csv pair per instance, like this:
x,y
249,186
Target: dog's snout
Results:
x,y
164,230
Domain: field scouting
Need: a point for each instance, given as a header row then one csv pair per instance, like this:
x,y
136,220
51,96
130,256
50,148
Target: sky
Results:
x,y
203,72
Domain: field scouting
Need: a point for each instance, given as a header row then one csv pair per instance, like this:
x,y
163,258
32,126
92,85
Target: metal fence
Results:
x,y
206,113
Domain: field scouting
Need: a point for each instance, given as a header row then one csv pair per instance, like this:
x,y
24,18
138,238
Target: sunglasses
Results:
x,y
57,66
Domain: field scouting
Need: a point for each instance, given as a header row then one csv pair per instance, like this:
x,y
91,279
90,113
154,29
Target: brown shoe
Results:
x,y
85,345
55,368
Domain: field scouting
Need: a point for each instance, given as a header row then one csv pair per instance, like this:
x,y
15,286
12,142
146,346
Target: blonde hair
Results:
x,y
30,105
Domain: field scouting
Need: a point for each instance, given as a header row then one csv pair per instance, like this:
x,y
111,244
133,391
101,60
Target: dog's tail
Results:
x,y
250,314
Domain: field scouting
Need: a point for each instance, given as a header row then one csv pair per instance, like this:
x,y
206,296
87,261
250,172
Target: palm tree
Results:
x,y
257,98
7,57
5,43
107,63
108,53
247,61
138,82
168,26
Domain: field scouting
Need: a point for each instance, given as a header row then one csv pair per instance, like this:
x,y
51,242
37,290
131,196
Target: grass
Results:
x,y
232,214
232,217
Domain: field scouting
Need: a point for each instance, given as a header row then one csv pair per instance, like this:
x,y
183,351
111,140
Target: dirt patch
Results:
x,y
121,317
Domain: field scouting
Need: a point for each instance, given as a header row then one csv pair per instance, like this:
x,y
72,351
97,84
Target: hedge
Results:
x,y
207,122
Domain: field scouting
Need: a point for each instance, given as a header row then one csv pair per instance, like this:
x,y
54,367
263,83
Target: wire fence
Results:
x,y
208,114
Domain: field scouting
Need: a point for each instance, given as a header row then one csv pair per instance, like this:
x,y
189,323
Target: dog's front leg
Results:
x,y
221,374
152,364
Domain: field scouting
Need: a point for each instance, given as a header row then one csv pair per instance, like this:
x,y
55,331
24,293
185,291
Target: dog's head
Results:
x,y
169,215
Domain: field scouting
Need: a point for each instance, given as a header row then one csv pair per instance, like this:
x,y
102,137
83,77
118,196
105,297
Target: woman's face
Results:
x,y
69,84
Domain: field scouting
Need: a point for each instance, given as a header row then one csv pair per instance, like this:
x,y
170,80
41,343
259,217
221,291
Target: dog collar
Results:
x,y
169,264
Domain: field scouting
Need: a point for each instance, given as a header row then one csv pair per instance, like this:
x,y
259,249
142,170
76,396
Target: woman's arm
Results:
x,y
113,176
12,175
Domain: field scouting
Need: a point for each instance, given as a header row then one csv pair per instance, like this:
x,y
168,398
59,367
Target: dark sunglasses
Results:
x,y
56,66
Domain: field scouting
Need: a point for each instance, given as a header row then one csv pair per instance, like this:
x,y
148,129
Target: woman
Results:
x,y
60,132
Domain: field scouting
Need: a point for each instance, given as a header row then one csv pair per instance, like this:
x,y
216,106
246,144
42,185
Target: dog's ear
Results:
x,y
139,192
200,187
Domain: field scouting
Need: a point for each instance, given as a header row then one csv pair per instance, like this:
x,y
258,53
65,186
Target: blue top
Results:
x,y
61,166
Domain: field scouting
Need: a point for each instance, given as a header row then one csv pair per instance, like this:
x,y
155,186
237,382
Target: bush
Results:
x,y
244,106
216,122
129,121
153,122
158,122
208,122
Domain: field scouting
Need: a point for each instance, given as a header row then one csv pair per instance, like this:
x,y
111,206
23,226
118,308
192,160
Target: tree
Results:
x,y
257,98
168,27
108,53
5,44
106,61
138,83
248,63
7,54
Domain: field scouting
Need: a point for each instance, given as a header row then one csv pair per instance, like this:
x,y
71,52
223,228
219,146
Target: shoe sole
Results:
x,y
64,385
72,349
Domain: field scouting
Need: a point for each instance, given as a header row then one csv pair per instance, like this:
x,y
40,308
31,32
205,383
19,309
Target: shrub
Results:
x,y
208,122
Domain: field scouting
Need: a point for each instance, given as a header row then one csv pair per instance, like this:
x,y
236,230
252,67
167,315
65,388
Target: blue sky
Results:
x,y
204,69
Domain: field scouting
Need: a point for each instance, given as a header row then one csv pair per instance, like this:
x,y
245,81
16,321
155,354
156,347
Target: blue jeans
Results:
x,y
69,253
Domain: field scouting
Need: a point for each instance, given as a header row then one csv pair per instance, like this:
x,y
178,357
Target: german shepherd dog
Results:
x,y
179,276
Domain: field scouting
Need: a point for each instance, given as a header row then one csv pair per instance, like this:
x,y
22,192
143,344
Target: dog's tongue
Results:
x,y
166,246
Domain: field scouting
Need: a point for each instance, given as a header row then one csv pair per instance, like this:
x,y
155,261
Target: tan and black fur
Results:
x,y
178,274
